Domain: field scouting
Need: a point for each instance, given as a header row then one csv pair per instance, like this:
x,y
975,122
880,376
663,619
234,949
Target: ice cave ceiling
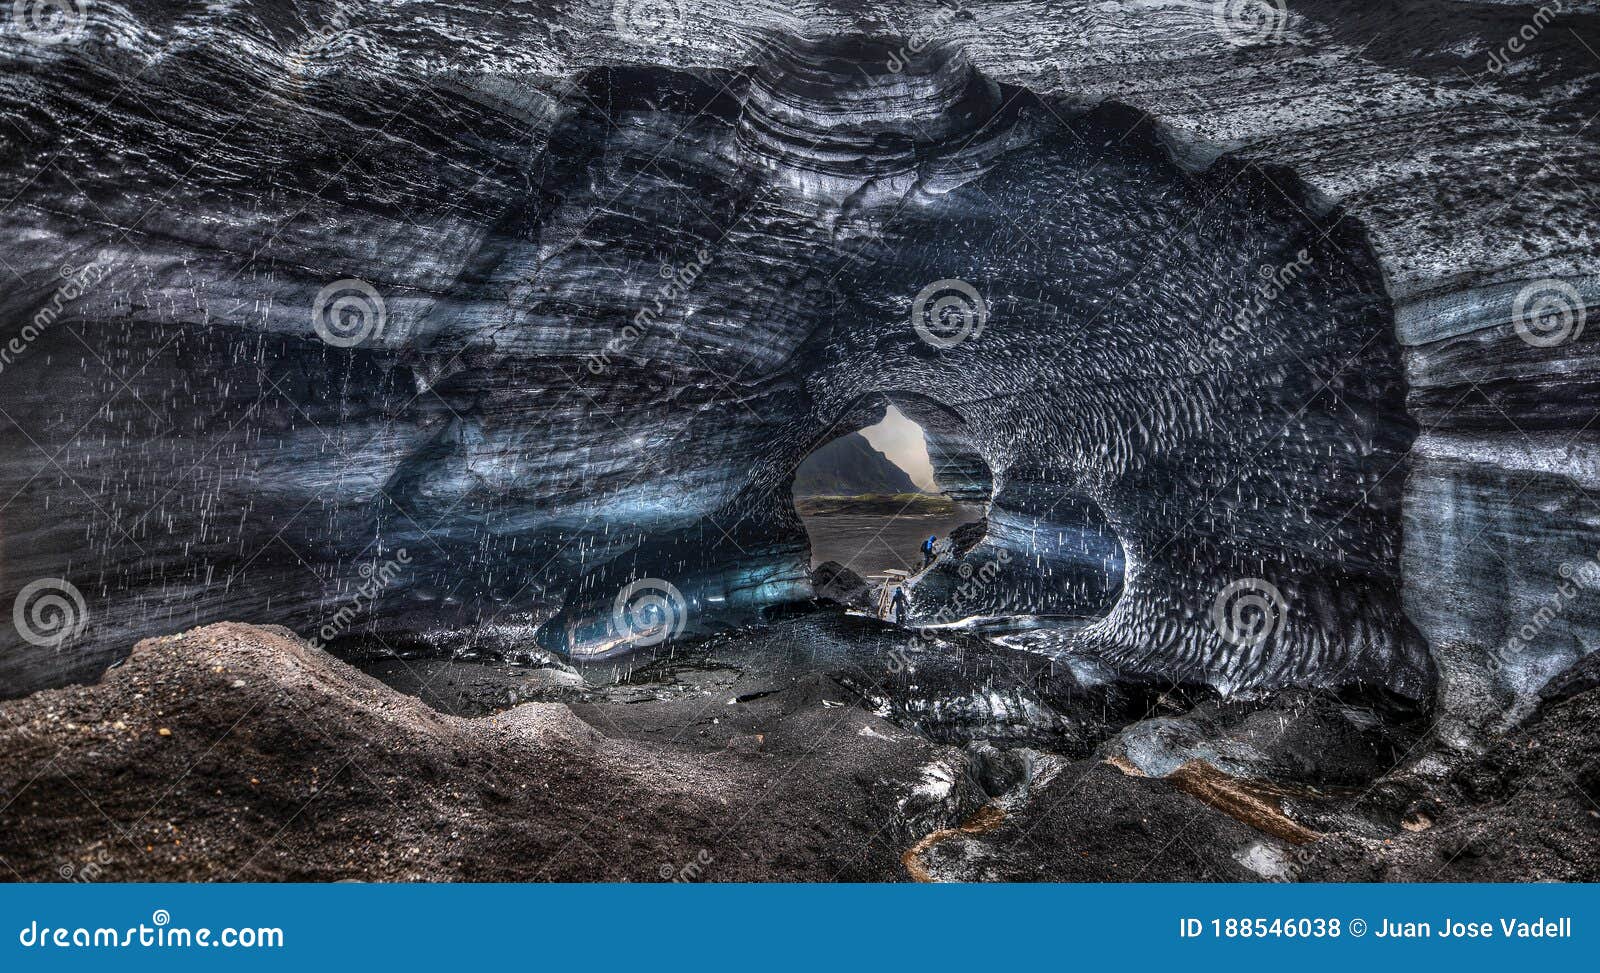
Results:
x,y
1248,311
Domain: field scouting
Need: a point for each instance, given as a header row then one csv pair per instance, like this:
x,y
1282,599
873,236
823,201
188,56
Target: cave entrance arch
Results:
x,y
870,498
1014,549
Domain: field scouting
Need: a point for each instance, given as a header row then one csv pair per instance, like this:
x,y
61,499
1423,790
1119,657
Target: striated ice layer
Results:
x,y
622,300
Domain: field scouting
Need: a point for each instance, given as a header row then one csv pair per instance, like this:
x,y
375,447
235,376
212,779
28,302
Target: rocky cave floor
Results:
x,y
823,746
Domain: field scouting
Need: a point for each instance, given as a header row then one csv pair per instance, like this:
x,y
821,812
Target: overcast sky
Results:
x,y
901,440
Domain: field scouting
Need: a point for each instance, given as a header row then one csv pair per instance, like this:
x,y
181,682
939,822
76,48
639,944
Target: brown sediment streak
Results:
x,y
987,819
1256,803
1125,765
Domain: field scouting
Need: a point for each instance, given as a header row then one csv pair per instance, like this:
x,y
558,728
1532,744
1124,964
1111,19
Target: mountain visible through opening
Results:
x,y
869,500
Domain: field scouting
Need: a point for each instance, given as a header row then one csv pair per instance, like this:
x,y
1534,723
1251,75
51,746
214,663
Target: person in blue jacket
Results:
x,y
928,552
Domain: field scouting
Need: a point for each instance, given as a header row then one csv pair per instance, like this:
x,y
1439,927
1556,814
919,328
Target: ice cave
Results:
x,y
445,413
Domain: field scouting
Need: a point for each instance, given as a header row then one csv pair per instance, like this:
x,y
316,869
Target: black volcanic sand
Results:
x,y
1529,809
795,752
952,689
874,536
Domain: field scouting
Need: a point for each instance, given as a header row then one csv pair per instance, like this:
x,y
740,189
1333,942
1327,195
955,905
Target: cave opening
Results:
x,y
871,501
